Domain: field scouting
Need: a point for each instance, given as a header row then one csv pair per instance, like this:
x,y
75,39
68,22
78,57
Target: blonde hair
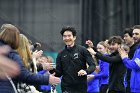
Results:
x,y
24,50
105,44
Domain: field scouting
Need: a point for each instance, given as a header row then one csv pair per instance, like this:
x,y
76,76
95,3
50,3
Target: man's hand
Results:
x,y
54,80
122,53
82,72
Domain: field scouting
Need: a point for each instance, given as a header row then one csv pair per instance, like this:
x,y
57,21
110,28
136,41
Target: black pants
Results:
x,y
128,90
79,88
103,88
113,91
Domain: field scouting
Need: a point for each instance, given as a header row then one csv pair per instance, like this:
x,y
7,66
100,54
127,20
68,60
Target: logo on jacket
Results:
x,y
75,55
64,55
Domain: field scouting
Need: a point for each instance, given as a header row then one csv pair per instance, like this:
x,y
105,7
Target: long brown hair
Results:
x,y
10,35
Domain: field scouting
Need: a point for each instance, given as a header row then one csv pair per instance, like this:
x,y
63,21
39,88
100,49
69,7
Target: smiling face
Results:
x,y
114,47
128,39
136,35
102,49
68,38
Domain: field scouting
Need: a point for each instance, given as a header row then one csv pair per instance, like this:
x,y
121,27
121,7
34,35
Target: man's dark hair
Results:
x,y
128,31
136,27
68,28
115,39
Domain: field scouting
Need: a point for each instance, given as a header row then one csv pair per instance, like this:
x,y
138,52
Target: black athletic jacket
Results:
x,y
117,71
69,62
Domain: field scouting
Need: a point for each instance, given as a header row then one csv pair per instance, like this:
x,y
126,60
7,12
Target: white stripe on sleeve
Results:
x,y
137,60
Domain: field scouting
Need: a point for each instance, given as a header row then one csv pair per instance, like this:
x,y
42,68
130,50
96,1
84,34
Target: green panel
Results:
x,y
54,55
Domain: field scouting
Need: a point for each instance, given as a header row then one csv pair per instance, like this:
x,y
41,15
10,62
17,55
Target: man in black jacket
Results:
x,y
117,69
128,39
71,64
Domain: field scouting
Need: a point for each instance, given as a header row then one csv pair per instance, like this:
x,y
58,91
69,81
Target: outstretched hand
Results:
x,y
7,66
54,80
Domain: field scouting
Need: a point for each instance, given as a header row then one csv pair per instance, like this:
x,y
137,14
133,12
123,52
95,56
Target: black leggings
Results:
x,y
103,88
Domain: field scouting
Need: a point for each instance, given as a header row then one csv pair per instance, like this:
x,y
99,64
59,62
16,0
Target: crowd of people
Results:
x,y
113,66
25,63
124,61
